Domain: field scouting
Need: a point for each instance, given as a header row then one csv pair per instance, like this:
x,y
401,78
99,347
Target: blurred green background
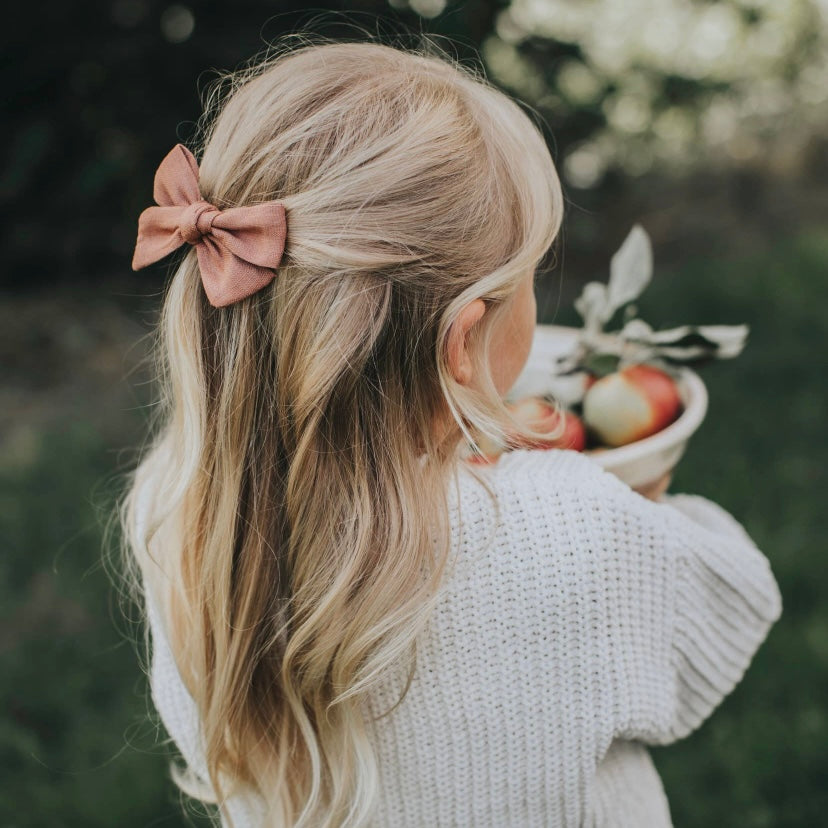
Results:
x,y
706,122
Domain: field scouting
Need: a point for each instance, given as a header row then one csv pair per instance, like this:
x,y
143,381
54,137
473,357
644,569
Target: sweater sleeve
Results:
x,y
179,715
656,609
700,601
171,699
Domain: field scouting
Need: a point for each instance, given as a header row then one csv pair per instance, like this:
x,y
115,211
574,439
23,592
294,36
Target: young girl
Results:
x,y
350,625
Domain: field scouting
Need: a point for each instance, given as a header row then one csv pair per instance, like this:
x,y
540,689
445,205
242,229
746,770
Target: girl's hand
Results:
x,y
655,490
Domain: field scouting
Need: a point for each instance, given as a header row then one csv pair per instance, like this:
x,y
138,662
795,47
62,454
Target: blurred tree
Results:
x,y
674,84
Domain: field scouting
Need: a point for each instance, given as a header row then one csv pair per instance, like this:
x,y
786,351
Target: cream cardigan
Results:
x,y
580,623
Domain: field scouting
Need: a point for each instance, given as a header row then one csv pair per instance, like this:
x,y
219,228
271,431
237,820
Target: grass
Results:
x,y
76,745
78,749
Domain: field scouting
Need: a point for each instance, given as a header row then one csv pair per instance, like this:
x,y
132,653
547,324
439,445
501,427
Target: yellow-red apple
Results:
x,y
631,404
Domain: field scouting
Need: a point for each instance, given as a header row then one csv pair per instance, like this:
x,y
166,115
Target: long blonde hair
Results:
x,y
290,516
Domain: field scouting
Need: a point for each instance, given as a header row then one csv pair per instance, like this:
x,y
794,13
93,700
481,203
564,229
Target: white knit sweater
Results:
x,y
580,624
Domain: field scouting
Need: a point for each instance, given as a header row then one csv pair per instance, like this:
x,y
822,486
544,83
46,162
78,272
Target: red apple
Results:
x,y
539,415
631,404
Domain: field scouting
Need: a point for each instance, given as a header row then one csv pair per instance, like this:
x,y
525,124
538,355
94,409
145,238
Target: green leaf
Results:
x,y
631,269
601,364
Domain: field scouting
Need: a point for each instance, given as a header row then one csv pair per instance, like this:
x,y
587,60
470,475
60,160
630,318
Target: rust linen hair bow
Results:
x,y
238,248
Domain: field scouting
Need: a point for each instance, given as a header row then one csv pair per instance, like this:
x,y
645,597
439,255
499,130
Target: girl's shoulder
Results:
x,y
555,474
537,497
529,497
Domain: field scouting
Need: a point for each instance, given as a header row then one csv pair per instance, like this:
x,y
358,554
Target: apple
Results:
x,y
539,415
631,404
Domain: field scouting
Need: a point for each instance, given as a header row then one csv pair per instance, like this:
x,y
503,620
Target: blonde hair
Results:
x,y
290,517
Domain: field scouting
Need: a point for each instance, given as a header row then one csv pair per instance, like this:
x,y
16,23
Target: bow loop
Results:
x,y
238,249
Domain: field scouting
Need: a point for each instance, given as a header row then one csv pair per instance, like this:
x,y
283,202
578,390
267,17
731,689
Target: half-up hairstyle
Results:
x,y
290,518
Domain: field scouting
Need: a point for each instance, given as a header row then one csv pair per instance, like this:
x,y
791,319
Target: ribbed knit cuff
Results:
x,y
726,602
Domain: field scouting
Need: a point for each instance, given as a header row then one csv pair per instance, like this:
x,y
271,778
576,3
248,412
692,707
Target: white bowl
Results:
x,y
639,463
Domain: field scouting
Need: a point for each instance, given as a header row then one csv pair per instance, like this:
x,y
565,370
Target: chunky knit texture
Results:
x,y
580,623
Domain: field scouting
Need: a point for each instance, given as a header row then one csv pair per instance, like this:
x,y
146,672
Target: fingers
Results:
x,y
654,490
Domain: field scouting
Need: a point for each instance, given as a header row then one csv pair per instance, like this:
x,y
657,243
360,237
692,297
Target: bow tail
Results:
x,y
227,278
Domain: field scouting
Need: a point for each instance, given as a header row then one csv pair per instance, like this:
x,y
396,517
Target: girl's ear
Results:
x,y
459,359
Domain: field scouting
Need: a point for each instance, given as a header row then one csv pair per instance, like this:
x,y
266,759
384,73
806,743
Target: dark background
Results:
x,y
96,93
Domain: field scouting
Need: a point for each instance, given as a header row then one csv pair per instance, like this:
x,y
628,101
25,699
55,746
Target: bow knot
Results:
x,y
197,221
238,249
